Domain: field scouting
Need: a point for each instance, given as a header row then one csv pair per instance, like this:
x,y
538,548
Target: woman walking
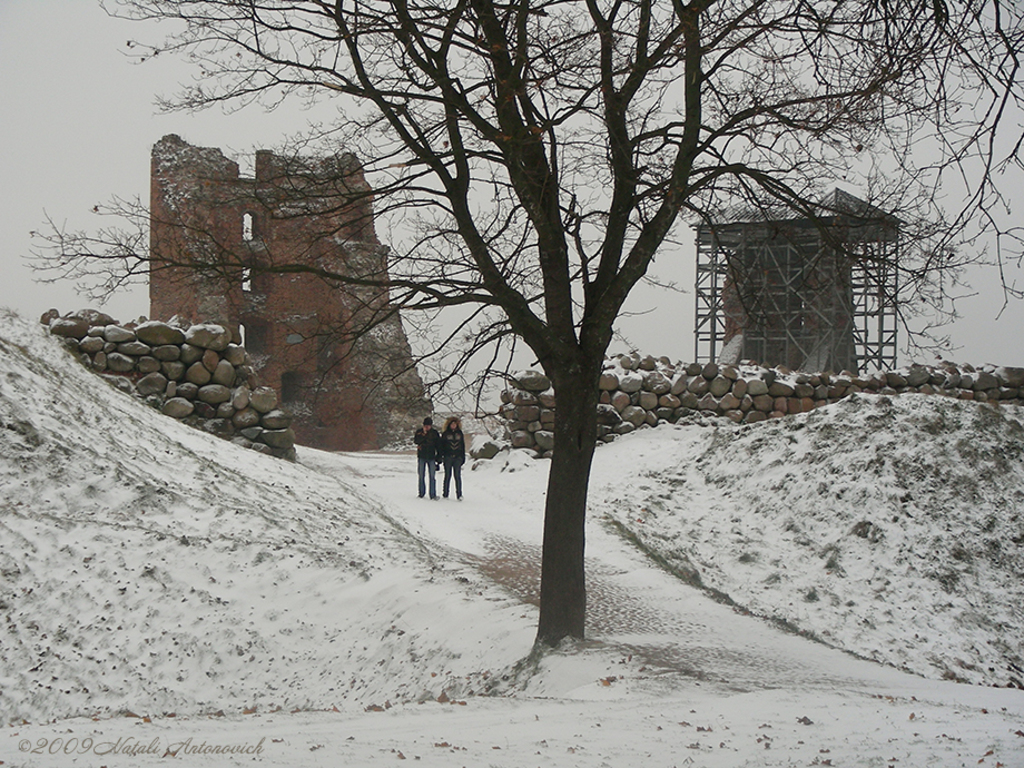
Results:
x,y
453,446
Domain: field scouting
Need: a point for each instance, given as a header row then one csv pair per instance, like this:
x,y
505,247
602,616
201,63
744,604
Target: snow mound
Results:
x,y
888,527
148,566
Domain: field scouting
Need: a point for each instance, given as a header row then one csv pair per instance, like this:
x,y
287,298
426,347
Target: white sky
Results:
x,y
78,121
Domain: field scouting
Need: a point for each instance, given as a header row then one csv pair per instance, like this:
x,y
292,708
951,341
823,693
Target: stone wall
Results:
x,y
194,374
637,391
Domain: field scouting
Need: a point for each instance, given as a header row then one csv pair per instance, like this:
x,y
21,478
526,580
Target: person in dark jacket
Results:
x,y
453,452
428,450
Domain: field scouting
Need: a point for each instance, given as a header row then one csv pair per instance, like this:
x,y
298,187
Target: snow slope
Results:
x,y
167,594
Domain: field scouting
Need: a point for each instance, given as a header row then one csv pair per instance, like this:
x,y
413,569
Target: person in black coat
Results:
x,y
428,450
453,452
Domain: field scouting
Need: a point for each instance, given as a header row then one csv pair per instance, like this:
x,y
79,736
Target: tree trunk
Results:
x,y
563,595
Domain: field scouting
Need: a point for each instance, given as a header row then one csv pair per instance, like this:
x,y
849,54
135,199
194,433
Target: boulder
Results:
x,y
263,399
69,327
151,384
276,419
545,440
245,418
197,374
532,381
214,394
118,334
158,334
208,336
178,408
120,363
224,373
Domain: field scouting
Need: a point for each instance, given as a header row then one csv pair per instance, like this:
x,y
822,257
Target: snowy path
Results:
x,y
634,607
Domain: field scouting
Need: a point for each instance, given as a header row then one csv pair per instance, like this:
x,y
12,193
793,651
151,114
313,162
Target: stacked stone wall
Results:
x,y
192,373
638,391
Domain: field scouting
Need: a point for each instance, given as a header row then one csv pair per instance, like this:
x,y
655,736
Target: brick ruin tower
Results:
x,y
348,390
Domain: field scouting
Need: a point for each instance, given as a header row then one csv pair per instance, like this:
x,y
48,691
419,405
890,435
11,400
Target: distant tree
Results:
x,y
541,152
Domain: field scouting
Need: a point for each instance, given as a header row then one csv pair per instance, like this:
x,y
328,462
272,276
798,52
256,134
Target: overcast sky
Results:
x,y
77,121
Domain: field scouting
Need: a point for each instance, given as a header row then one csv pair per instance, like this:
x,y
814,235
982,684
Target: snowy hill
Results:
x,y
149,567
161,586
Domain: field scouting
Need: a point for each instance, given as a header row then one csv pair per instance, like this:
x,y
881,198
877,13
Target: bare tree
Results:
x,y
540,153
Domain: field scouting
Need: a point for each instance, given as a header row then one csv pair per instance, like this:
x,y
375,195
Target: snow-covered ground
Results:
x,y
165,594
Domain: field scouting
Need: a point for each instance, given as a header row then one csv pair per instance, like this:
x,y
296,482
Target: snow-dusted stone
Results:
x,y
263,399
178,408
917,376
648,401
134,348
151,384
208,336
278,438
698,385
191,354
147,364
93,316
1014,377
158,334
545,440
608,382
235,354
634,414
729,402
528,413
210,360
91,345
214,394
985,380
679,384
240,397
251,433
532,381
669,401
757,387
719,386
708,403
608,415
118,334
631,382
276,419
224,373
225,411
173,370
657,383
188,390
484,447
69,327
197,374
525,398
620,400
167,352
546,399
246,417
895,379
522,439
120,363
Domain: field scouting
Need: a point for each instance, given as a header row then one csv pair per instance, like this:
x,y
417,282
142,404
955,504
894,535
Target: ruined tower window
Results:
x,y
246,279
291,387
254,337
247,227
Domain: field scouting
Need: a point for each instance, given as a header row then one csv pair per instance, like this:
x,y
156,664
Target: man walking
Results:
x,y
428,443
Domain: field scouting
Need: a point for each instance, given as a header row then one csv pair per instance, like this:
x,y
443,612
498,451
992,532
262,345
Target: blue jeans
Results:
x,y
452,467
422,465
